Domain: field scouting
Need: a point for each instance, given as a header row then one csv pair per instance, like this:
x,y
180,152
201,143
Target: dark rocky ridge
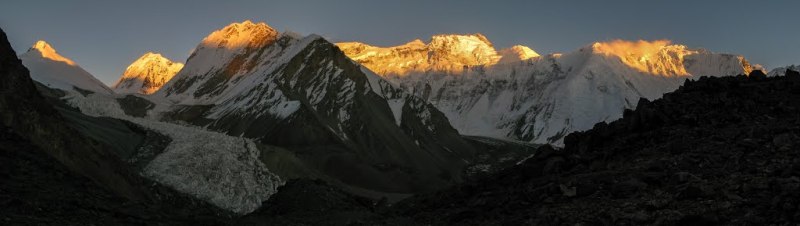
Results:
x,y
716,151
28,114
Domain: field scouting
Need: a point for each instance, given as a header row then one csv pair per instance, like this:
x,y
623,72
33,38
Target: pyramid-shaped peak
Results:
x,y
48,52
147,74
153,56
241,35
517,53
42,45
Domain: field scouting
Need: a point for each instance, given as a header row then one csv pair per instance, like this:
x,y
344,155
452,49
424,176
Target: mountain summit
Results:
x,y
445,53
242,35
48,67
147,74
47,51
516,53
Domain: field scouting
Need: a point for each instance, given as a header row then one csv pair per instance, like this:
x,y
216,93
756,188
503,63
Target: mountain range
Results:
x,y
265,107
289,106
719,150
533,98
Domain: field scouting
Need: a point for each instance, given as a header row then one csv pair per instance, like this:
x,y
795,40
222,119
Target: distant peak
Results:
x,y
41,45
527,51
461,37
247,24
416,42
245,34
659,57
517,53
150,56
456,50
49,52
147,74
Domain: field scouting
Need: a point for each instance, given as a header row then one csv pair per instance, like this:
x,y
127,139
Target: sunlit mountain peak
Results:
x,y
49,52
147,74
242,35
444,52
659,57
517,53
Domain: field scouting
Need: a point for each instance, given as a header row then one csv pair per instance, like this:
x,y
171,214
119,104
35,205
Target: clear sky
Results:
x,y
104,36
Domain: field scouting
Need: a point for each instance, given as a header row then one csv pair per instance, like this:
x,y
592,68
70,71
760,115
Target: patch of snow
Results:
x,y
397,109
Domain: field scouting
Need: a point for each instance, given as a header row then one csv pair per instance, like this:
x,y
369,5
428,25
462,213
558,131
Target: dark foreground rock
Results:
x,y
716,151
51,174
38,190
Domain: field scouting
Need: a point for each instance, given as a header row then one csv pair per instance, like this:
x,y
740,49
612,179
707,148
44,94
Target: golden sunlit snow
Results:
x,y
50,53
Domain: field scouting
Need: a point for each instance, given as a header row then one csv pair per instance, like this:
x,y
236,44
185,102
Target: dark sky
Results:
x,y
105,36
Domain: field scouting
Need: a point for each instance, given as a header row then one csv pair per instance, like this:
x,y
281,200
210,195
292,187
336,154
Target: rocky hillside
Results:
x,y
716,151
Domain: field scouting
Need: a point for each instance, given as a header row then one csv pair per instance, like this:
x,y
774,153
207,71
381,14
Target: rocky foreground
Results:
x,y
716,151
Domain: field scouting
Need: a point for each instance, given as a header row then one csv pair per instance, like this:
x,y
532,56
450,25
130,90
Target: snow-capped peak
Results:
x,y
517,53
147,74
246,34
472,49
449,53
662,58
659,57
55,71
49,52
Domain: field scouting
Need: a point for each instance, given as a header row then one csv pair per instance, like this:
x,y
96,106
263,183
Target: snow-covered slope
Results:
x,y
543,98
53,70
302,92
781,71
147,74
223,170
